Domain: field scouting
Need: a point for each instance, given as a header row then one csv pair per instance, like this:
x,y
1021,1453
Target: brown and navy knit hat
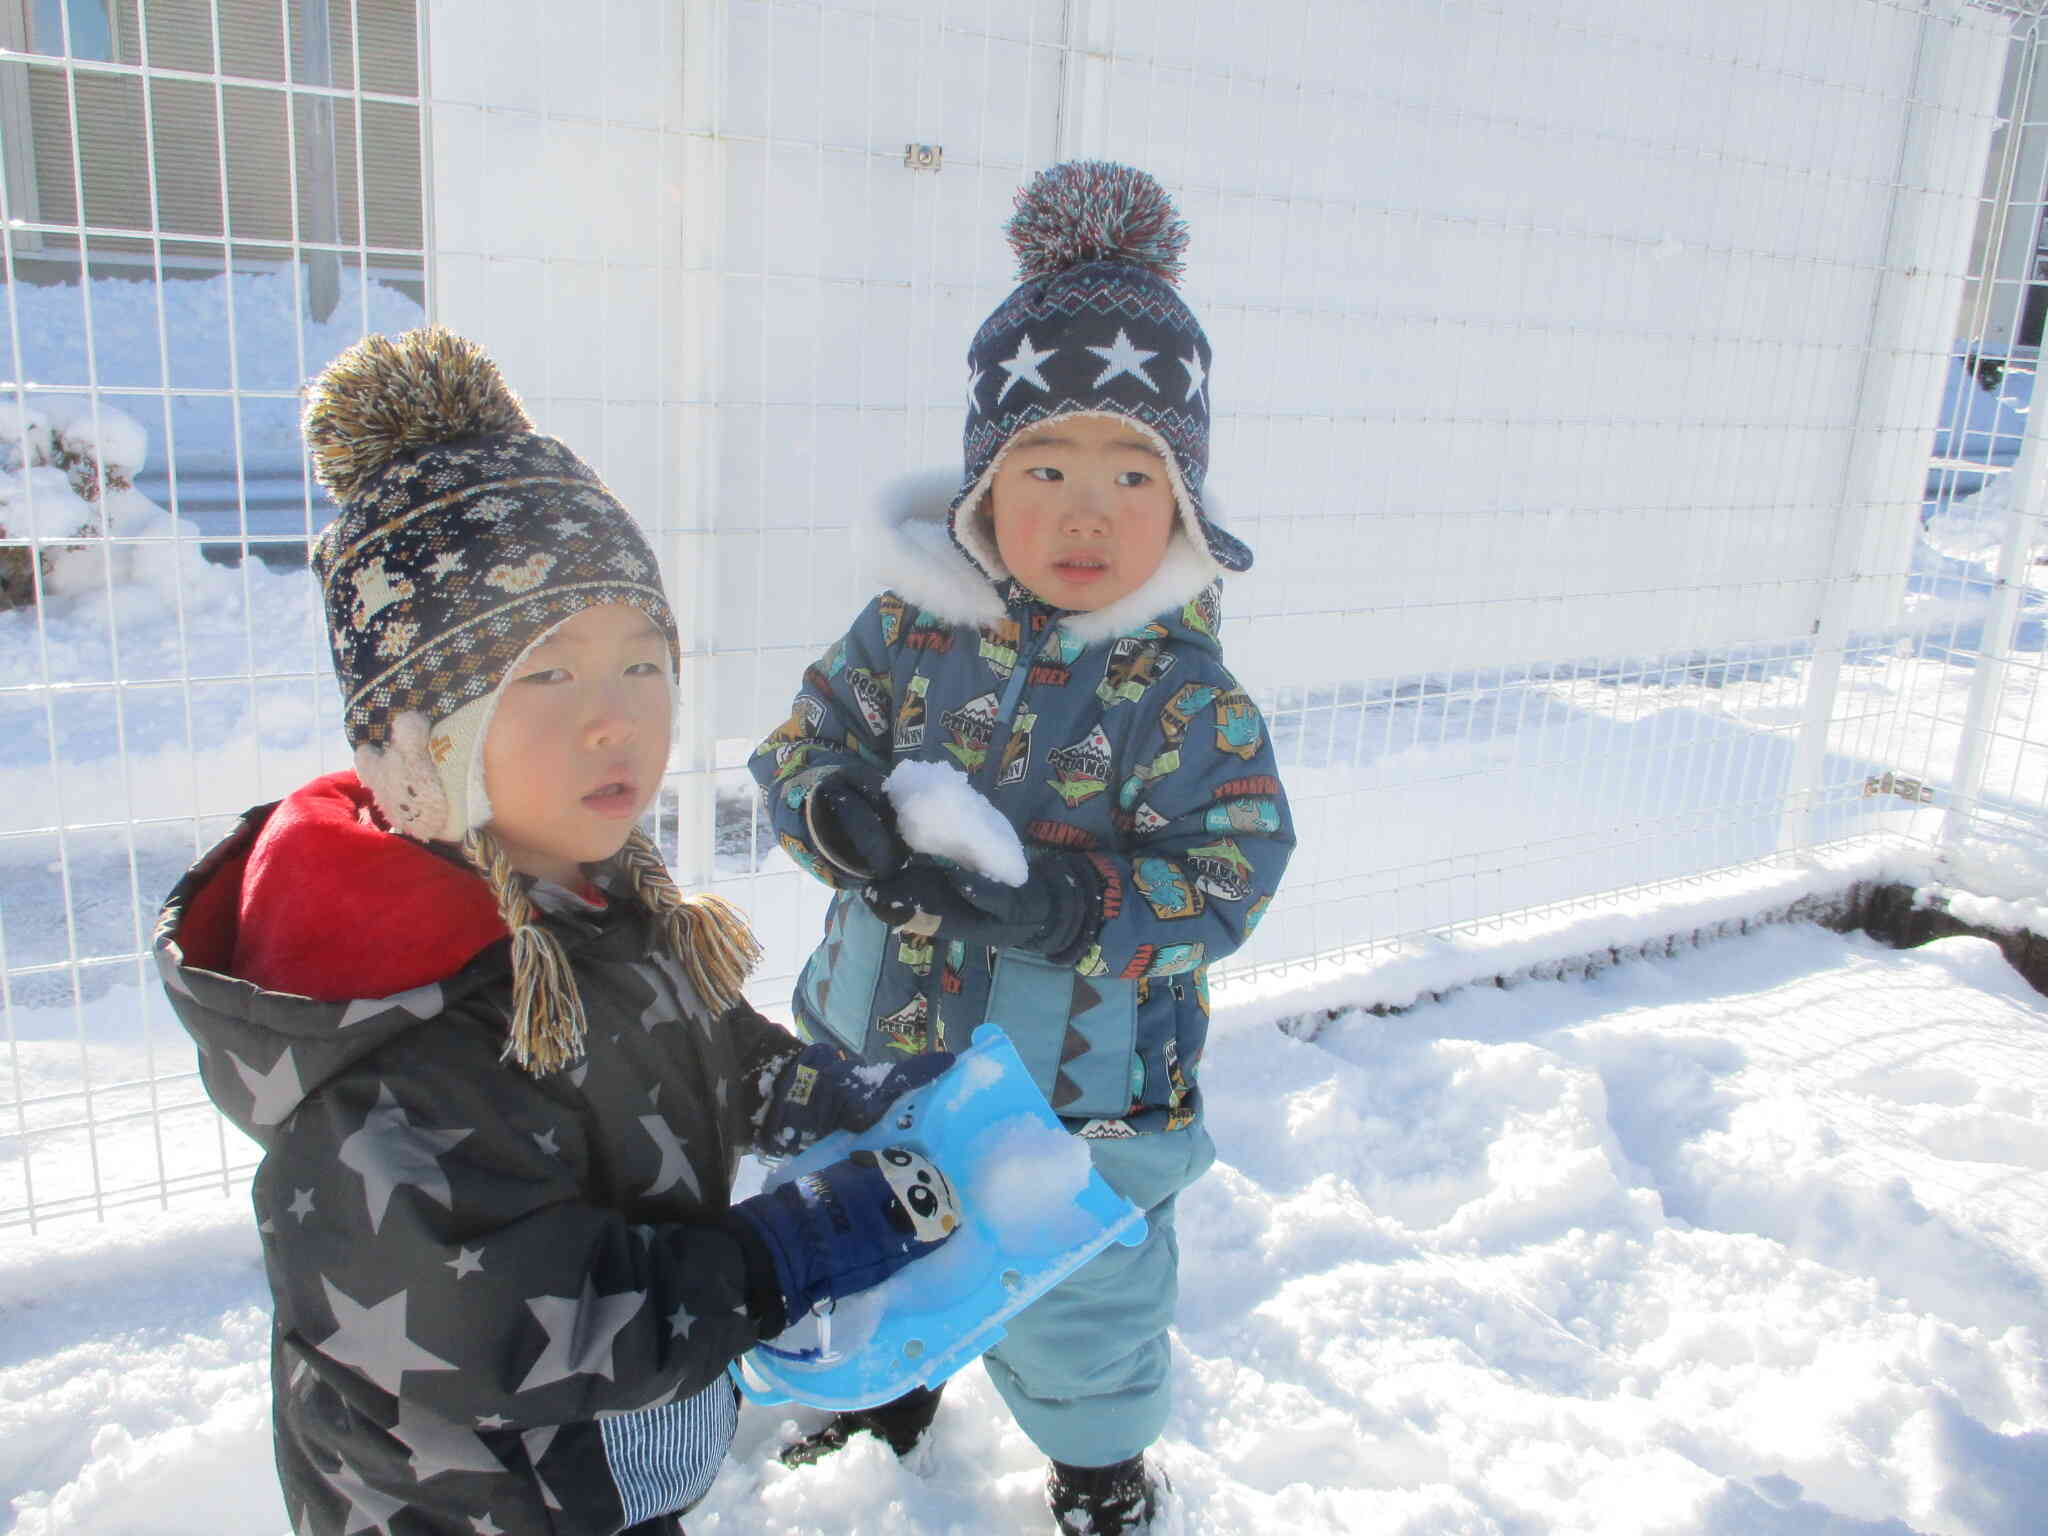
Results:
x,y
464,537
1096,327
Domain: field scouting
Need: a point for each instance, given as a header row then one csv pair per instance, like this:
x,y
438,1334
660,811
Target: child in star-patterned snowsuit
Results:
x,y
1051,628
498,1065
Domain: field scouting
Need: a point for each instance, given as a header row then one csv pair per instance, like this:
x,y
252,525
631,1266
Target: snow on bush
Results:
x,y
122,594
63,469
67,493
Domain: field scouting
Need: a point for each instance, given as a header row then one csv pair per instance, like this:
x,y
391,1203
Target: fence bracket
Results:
x,y
1889,783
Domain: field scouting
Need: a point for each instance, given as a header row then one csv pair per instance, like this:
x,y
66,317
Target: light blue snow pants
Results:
x,y
1085,1367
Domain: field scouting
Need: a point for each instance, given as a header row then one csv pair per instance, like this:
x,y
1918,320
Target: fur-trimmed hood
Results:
x,y
920,560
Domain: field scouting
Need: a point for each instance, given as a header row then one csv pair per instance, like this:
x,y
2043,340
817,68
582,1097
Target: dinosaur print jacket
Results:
x,y
1118,734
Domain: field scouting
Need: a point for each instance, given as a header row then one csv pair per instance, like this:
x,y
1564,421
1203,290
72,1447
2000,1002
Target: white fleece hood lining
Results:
x,y
925,565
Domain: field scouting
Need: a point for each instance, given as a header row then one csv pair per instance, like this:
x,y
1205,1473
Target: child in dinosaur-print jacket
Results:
x,y
1052,629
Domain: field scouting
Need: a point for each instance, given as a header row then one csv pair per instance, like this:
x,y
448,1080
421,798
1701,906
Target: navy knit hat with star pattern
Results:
x,y
1095,327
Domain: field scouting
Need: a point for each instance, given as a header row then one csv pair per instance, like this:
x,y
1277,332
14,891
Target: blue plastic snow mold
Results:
x,y
1034,1210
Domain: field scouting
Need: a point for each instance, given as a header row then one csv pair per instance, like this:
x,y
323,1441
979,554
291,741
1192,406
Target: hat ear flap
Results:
x,y
400,777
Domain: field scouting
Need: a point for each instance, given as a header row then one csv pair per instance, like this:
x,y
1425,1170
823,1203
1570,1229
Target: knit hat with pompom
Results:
x,y
464,537
463,540
1097,326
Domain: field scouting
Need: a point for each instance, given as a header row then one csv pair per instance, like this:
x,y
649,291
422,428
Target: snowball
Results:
x,y
940,812
1027,1177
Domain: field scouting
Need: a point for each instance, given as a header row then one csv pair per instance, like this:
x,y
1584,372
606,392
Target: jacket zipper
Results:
x,y
991,768
1012,700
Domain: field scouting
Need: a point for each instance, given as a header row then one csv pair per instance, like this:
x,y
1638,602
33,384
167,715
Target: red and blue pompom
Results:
x,y
1096,210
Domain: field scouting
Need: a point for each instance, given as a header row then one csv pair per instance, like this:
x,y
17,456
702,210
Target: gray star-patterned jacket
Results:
x,y
504,1306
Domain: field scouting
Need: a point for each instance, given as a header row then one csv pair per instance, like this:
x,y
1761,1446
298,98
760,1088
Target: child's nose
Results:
x,y
1087,510
613,724
611,730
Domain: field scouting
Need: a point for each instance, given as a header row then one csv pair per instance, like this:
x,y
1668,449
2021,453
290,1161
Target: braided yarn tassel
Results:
x,y
707,935
547,1010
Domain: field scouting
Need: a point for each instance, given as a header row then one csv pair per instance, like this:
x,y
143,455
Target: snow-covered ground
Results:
x,y
1752,1240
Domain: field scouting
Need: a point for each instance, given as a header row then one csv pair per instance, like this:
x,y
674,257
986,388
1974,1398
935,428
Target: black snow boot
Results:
x,y
900,1423
1117,1500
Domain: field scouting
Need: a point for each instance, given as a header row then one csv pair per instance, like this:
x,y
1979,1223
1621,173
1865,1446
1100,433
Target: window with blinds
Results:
x,y
235,119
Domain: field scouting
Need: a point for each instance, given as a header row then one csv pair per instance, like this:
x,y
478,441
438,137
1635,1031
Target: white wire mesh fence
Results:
x,y
1578,377
1573,381
203,199
1985,544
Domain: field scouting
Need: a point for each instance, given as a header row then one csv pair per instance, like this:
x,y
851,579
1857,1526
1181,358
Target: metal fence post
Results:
x,y
1994,645
314,65
1884,463
694,582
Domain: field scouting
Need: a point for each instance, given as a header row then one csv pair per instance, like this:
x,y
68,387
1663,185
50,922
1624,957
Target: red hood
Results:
x,y
334,906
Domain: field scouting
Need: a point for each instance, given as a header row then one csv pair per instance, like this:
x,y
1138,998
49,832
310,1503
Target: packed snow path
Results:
x,y
1751,1241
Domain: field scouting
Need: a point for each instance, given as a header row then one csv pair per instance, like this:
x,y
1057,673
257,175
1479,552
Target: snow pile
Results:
x,y
940,812
1994,877
1974,529
1577,939
175,333
1750,1242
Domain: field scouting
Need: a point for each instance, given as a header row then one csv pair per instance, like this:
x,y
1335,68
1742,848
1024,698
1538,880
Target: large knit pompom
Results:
x,y
1096,210
387,396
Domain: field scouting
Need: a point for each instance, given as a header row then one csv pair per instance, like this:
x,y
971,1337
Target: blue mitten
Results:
x,y
820,1091
1055,912
839,1230
852,822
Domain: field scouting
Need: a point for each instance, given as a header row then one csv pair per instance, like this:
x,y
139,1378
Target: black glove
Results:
x,y
846,1227
852,824
820,1091
1053,913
